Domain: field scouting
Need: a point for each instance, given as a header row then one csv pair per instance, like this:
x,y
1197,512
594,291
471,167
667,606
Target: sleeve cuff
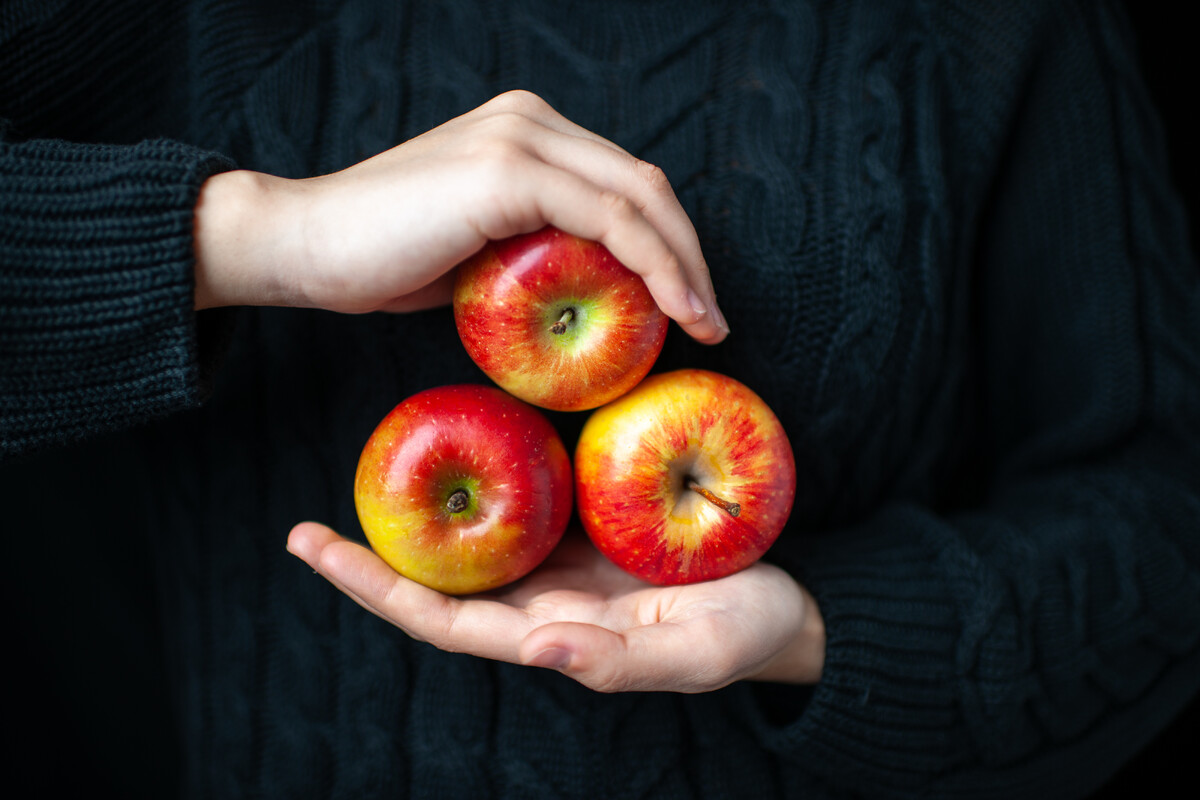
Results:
x,y
98,328
886,711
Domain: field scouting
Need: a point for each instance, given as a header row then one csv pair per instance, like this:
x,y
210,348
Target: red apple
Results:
x,y
688,477
556,320
463,488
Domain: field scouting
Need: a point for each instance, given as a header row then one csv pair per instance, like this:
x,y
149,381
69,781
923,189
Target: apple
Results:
x,y
556,320
463,488
688,477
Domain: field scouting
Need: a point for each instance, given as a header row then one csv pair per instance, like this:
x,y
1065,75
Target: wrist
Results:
x,y
237,240
802,660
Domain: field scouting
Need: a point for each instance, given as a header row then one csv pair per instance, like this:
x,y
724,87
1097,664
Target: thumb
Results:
x,y
663,656
440,292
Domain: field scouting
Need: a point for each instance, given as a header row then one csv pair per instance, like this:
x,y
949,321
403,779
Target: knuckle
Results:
x,y
498,160
437,625
606,672
653,177
618,205
505,129
720,673
520,101
608,682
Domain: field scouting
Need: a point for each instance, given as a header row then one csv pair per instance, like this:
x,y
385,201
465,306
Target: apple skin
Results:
x,y
503,453
634,454
509,295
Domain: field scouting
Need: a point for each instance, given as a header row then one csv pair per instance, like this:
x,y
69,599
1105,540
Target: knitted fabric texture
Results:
x,y
946,244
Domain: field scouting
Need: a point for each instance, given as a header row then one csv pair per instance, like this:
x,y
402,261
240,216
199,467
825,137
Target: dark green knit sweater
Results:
x,y
945,241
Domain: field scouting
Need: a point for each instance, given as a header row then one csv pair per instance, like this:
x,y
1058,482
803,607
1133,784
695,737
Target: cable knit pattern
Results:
x,y
945,242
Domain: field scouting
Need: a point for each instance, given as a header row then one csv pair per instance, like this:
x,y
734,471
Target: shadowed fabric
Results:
x,y
947,246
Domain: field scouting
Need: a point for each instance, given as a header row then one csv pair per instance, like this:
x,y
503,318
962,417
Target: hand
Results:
x,y
386,234
581,615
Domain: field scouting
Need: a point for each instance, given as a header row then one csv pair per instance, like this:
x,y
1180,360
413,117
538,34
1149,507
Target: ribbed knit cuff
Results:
x,y
1006,654
885,713
97,327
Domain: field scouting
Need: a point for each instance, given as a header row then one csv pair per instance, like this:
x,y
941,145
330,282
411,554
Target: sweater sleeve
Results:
x,y
1028,645
97,328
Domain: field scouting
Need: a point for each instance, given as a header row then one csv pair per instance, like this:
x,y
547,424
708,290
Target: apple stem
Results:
x,y
458,501
733,508
560,327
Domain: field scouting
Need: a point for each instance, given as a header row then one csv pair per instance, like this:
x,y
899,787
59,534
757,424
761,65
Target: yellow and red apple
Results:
x,y
463,488
688,477
556,320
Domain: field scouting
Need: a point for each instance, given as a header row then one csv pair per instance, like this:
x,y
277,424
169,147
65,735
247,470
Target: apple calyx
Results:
x,y
560,327
733,509
458,501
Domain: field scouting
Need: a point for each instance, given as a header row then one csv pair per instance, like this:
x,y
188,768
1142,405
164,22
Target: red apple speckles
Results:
x,y
688,477
463,488
556,320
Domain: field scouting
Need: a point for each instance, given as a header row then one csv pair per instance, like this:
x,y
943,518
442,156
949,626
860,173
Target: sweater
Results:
x,y
946,243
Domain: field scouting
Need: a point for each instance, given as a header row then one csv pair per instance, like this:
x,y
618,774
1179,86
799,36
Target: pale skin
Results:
x,y
385,235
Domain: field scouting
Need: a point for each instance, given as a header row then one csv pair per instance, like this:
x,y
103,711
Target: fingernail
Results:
x,y
720,318
696,303
295,549
552,658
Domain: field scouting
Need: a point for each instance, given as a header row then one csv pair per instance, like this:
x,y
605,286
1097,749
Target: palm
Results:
x,y
577,584
621,633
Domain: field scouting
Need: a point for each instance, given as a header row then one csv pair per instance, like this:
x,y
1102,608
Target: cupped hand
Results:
x,y
385,234
581,615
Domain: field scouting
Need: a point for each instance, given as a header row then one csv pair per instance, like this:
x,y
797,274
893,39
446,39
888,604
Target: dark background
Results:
x,y
86,705
1168,54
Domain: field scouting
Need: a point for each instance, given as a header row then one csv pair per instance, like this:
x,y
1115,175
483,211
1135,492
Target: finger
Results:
x,y
650,190
478,626
682,286
546,194
309,541
536,109
664,656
